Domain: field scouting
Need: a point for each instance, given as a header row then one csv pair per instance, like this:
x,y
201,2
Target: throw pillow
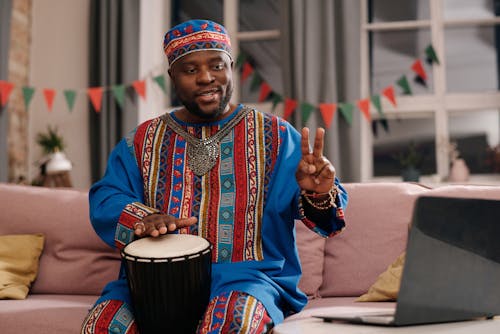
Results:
x,y
19,255
386,287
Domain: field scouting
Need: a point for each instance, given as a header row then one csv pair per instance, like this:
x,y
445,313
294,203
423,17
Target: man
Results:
x,y
224,172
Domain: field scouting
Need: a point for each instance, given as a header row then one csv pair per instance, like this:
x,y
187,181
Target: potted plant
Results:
x,y
410,161
53,146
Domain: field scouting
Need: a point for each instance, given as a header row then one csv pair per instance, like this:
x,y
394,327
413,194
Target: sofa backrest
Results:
x,y
377,220
74,259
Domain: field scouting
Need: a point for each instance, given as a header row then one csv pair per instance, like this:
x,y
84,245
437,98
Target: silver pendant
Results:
x,y
202,157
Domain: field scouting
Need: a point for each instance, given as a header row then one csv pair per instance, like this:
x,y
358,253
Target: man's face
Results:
x,y
203,81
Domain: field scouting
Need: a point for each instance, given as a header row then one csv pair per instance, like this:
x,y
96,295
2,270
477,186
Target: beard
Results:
x,y
195,109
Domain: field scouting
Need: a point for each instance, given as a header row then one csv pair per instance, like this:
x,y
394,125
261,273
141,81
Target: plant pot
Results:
x,y
58,163
410,174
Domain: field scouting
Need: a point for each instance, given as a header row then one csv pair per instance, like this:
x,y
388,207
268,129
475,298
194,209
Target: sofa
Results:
x,y
74,264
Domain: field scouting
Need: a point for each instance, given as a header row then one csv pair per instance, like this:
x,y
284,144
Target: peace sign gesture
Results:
x,y
315,172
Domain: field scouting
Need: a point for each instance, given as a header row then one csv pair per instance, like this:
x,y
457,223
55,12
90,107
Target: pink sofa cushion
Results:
x,y
74,260
311,249
377,219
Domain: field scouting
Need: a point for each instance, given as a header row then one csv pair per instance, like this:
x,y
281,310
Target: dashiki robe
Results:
x,y
246,204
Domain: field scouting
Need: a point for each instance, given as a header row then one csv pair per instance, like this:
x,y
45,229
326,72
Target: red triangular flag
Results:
x,y
246,70
327,111
364,106
95,95
388,92
290,106
265,90
49,94
5,91
140,88
419,69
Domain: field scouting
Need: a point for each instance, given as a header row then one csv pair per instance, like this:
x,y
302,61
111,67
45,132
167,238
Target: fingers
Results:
x,y
319,141
158,224
304,144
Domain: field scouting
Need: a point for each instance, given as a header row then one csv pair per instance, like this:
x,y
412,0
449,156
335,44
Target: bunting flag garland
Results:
x,y
246,71
49,95
256,82
5,91
70,96
388,92
28,93
119,94
265,90
290,106
160,80
405,86
364,106
266,93
276,99
327,111
306,109
140,88
346,111
95,95
431,56
421,77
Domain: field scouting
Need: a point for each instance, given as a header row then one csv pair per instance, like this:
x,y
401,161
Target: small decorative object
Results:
x,y
459,172
493,159
55,165
410,161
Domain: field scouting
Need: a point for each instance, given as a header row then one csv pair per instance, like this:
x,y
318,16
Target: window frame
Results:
x,y
439,104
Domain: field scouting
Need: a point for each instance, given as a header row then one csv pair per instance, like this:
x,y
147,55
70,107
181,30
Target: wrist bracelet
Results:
x,y
322,204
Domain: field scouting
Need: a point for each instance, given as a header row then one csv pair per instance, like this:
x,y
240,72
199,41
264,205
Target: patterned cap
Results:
x,y
195,35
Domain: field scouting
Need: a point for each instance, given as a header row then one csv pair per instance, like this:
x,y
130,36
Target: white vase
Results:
x,y
58,163
459,172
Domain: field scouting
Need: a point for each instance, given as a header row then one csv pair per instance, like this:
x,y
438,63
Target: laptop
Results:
x,y
452,266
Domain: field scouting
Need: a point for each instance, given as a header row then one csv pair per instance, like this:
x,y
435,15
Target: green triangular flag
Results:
x,y
119,94
306,109
431,55
28,93
240,60
378,105
256,81
403,83
346,111
70,96
276,98
160,80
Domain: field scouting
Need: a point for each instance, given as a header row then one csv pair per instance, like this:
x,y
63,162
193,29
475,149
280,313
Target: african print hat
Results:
x,y
195,35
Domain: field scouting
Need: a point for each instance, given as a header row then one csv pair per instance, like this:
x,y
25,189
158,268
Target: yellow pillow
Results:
x,y
19,256
386,287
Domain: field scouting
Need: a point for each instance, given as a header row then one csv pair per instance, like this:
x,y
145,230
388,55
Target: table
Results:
x,y
318,326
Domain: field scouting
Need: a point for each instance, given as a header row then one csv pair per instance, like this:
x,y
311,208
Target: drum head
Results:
x,y
166,246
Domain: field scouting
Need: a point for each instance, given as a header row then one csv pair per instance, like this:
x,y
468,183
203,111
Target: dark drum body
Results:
x,y
169,280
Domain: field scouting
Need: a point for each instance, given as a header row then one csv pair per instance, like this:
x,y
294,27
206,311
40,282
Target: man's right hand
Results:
x,y
158,224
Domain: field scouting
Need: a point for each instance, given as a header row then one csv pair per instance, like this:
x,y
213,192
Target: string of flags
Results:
x,y
266,93
94,94
346,109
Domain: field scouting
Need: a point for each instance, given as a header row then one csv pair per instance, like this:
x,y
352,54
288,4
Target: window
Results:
x,y
460,103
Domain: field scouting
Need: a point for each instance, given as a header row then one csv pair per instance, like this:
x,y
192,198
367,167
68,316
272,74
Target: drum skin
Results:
x,y
170,294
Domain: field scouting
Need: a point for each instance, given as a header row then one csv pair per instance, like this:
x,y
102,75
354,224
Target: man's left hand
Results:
x,y
315,172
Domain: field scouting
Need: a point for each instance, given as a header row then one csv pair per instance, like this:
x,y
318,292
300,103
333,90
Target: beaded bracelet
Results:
x,y
322,204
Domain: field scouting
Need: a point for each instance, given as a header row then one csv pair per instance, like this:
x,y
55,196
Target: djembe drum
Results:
x,y
169,279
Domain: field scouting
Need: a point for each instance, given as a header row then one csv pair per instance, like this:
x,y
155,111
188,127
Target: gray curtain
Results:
x,y
5,14
114,59
321,64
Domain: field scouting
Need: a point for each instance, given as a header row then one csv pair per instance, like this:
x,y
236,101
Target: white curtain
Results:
x,y
321,65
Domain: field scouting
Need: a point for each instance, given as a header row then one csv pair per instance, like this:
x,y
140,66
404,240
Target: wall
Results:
x,y
59,53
